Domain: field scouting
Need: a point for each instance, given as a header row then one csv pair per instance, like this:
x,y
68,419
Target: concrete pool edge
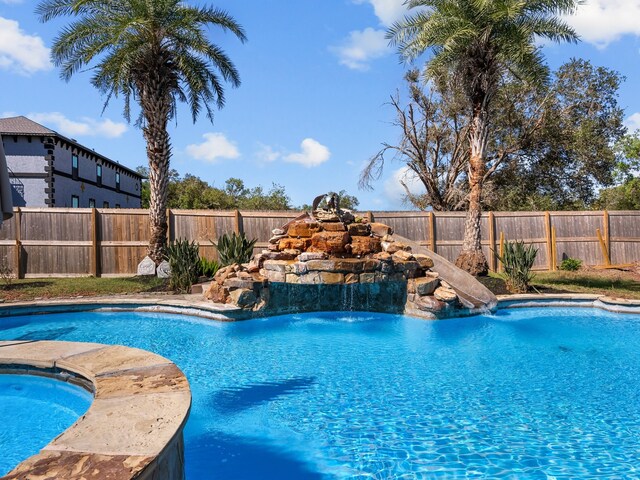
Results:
x,y
602,302
134,426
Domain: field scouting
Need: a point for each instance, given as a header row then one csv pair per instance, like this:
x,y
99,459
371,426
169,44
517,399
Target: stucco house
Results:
x,y
47,169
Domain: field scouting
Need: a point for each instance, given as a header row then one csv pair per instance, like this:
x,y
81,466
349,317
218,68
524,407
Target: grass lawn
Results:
x,y
36,288
614,283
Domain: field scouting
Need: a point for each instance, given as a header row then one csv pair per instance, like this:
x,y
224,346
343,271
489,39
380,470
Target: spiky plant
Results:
x,y
517,260
156,52
234,248
480,42
184,260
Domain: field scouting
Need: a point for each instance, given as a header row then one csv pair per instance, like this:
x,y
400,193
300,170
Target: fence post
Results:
x,y
547,226
18,247
95,244
607,232
492,242
500,266
238,222
432,231
554,250
370,217
168,226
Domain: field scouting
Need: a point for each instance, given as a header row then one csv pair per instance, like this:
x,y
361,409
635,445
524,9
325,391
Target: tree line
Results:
x,y
190,192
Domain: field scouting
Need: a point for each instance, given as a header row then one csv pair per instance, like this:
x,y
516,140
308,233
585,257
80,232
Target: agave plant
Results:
x,y
208,268
184,260
234,248
518,260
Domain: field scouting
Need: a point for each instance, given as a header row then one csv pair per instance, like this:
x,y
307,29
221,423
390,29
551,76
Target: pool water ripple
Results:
x,y
526,393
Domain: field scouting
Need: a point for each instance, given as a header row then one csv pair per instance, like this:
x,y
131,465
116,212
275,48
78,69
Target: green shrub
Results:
x,y
234,248
184,261
518,260
208,268
571,264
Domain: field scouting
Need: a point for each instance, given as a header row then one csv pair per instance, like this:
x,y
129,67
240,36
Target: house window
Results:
x,y
105,205
117,181
92,203
99,175
74,166
75,201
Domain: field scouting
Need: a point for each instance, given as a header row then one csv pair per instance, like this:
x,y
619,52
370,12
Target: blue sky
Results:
x,y
316,75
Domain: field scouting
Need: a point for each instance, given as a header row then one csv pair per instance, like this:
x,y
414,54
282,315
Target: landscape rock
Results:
x,y
383,257
243,298
429,304
216,293
330,242
276,238
303,229
445,294
402,256
306,256
424,261
359,230
163,270
351,278
380,229
334,227
365,245
276,265
146,267
289,243
425,285
278,231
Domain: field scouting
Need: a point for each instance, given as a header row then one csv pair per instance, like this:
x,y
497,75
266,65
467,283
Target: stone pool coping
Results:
x,y
603,302
193,305
133,428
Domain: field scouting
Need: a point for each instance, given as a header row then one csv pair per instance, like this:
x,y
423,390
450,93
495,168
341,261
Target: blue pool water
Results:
x,y
526,393
33,411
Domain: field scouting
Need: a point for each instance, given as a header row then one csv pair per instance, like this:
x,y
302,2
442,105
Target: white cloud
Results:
x,y
387,11
85,127
361,47
10,1
633,122
20,52
267,153
313,154
393,189
215,146
603,21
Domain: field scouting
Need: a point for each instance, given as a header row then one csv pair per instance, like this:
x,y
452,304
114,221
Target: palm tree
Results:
x,y
155,52
481,42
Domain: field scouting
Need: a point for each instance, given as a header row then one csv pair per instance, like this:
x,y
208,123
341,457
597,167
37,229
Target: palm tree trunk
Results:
x,y
158,153
471,258
156,109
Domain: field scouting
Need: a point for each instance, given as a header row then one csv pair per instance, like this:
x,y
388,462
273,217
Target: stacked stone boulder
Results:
x,y
327,250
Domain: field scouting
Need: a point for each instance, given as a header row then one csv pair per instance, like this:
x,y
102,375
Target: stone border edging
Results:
x,y
603,302
133,428
191,305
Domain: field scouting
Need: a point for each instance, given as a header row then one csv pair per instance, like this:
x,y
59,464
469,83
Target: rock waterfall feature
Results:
x,y
331,259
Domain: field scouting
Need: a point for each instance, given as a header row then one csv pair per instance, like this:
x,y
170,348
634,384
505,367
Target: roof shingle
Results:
x,y
22,126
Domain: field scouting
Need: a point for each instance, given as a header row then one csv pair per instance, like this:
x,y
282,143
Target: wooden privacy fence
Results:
x,y
41,242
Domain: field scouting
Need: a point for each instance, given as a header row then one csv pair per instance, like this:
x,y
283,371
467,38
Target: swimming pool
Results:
x,y
34,410
532,393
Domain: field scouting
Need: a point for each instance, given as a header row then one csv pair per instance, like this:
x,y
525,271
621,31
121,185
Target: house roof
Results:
x,y
24,126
